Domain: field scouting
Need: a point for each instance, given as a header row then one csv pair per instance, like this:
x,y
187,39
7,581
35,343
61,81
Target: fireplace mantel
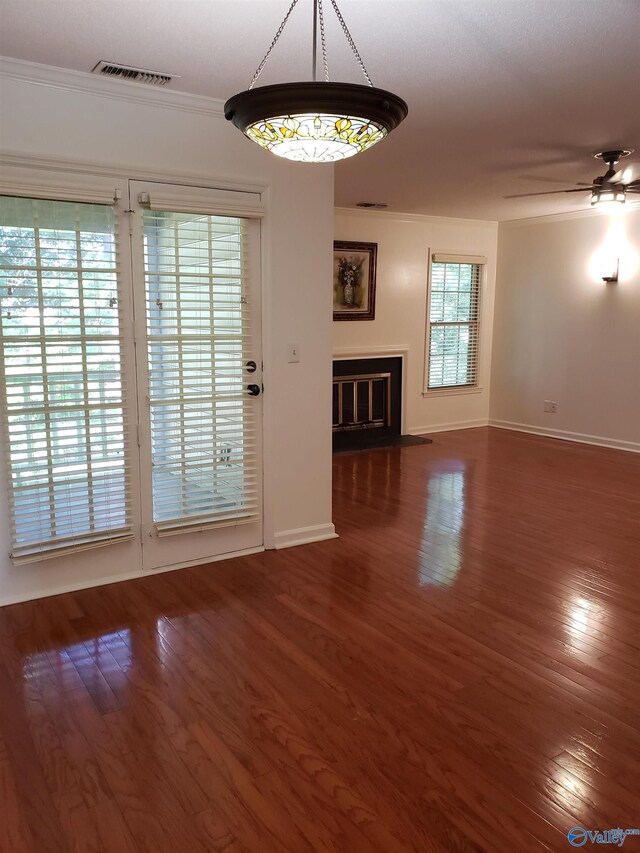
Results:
x,y
340,353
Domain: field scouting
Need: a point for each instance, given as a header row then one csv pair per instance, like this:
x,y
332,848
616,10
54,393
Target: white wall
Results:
x,y
404,246
562,334
48,113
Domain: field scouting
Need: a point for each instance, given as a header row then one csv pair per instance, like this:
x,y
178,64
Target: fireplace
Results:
x,y
362,401
367,402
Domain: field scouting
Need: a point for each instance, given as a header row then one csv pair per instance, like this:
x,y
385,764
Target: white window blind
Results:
x,y
62,381
207,201
204,461
453,332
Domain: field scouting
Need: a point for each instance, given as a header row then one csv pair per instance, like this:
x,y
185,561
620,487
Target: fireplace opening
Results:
x,y
367,402
361,402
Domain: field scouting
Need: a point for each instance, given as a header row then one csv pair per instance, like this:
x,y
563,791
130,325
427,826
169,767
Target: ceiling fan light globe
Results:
x,y
610,197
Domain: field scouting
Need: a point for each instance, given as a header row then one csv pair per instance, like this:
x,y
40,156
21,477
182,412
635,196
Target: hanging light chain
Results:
x,y
323,42
351,42
272,45
345,29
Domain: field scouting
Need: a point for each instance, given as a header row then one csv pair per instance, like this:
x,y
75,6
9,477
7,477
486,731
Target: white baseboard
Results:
x,y
565,435
303,536
76,587
482,422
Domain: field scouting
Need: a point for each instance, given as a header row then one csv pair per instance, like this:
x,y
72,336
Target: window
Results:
x,y
62,375
452,345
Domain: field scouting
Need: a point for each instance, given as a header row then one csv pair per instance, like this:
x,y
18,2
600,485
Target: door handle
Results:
x,y
251,366
253,390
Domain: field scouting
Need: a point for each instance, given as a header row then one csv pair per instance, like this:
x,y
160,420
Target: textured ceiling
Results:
x,y
505,96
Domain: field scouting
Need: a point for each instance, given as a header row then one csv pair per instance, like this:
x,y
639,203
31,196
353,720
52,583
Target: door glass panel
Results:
x,y
62,370
204,467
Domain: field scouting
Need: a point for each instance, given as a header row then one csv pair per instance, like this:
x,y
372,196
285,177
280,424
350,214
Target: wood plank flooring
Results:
x,y
460,671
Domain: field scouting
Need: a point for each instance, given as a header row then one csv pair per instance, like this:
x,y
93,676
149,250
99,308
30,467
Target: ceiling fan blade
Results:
x,y
618,178
634,185
550,192
542,179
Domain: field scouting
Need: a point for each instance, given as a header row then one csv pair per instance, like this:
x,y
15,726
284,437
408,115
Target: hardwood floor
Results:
x,y
460,671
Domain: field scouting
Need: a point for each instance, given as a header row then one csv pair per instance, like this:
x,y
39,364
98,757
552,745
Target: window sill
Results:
x,y
448,392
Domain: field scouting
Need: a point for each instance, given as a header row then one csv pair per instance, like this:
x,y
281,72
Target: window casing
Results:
x,y
453,322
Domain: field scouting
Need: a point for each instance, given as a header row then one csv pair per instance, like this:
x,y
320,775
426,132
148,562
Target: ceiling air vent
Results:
x,y
127,72
372,205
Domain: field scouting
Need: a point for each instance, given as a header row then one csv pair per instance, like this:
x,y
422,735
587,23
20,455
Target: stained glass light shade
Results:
x,y
316,122
313,138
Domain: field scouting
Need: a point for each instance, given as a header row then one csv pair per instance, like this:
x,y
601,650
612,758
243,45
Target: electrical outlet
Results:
x,y
550,406
294,353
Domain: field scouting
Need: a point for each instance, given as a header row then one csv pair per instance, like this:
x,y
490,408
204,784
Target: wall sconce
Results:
x,y
612,274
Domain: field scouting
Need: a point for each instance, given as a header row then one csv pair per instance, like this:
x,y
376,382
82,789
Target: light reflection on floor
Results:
x,y
443,526
107,652
583,623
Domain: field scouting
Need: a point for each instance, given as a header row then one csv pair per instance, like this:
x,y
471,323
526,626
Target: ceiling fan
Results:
x,y
605,189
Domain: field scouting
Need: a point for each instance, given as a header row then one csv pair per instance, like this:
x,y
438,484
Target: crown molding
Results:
x,y
11,160
586,213
397,216
119,90
530,220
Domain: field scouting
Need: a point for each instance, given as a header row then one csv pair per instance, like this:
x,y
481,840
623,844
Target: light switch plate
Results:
x,y
294,353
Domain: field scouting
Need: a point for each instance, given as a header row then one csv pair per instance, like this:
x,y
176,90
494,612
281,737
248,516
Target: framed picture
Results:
x,y
354,280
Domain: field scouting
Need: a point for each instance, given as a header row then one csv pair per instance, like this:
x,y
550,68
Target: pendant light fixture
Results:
x,y
315,122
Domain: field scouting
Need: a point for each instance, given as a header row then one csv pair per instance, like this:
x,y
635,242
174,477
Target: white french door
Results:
x,y
199,374
66,392
130,378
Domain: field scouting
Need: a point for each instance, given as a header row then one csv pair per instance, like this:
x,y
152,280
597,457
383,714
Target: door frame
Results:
x,y
223,539
35,176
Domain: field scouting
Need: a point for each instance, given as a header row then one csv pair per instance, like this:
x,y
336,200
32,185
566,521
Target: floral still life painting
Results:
x,y
354,280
